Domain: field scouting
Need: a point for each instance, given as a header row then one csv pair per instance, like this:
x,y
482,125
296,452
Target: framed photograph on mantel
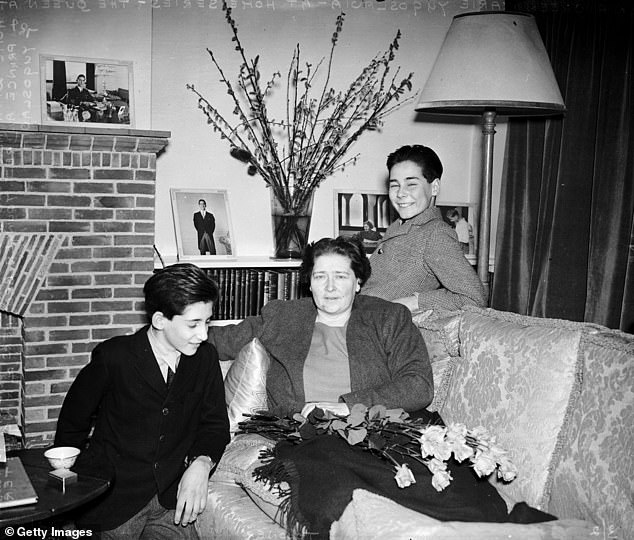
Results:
x,y
77,90
365,214
203,224
463,217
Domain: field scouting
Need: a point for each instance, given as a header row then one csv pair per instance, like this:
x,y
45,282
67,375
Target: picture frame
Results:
x,y
106,98
190,227
352,209
469,212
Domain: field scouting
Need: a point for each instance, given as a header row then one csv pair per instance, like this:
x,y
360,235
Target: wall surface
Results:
x,y
272,32
166,41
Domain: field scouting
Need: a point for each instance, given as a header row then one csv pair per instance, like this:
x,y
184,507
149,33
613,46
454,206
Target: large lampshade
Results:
x,y
491,63
492,60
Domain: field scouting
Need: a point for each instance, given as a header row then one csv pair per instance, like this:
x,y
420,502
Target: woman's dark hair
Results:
x,y
350,247
424,157
172,289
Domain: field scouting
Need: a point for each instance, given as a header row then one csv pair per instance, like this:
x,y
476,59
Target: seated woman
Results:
x,y
419,262
336,347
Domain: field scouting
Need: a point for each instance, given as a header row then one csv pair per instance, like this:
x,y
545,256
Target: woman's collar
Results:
x,y
333,320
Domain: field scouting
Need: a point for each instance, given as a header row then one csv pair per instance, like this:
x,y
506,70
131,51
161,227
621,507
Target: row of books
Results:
x,y
243,291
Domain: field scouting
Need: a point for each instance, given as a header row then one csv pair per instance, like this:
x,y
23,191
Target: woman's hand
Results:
x,y
333,407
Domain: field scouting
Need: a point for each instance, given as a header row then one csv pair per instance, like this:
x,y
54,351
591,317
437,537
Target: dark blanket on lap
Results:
x,y
324,471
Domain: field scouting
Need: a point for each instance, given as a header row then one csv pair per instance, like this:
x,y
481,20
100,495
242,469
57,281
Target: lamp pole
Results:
x,y
488,133
491,63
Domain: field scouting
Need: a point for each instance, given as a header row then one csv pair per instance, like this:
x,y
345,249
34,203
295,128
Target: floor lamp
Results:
x,y
491,63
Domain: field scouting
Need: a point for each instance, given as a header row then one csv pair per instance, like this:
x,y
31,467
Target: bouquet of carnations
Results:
x,y
392,434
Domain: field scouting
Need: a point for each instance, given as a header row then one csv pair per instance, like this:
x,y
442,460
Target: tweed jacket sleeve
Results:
x,y
389,362
423,256
285,330
229,339
459,284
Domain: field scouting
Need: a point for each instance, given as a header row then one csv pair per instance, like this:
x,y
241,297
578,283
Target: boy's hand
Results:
x,y
191,497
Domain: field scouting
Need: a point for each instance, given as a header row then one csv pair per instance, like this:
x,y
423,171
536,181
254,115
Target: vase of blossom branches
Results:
x,y
309,141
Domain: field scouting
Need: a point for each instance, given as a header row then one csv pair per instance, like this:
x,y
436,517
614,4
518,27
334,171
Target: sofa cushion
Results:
x,y
231,515
245,383
236,467
264,495
519,378
440,332
372,517
243,450
595,476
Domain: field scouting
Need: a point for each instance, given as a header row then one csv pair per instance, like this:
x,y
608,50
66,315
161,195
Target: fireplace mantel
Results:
x,y
60,137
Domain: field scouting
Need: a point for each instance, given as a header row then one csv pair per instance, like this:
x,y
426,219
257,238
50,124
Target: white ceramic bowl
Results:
x,y
62,457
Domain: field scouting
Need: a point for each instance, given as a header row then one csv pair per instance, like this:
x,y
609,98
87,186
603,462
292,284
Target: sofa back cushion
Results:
x,y
595,476
245,383
518,377
440,332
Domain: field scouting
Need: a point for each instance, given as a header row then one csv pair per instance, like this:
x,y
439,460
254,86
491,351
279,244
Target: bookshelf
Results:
x,y
247,283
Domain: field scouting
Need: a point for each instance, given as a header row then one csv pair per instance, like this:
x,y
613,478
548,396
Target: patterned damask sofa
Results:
x,y
559,396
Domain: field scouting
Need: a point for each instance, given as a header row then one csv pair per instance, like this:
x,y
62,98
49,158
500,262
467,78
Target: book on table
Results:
x,y
15,487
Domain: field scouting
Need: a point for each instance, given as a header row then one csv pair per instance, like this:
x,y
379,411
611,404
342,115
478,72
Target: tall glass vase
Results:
x,y
290,228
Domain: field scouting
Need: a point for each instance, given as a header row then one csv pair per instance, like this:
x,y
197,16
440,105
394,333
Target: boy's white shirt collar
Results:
x,y
164,357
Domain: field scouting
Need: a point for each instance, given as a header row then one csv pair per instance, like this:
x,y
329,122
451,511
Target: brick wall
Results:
x,y
11,375
92,192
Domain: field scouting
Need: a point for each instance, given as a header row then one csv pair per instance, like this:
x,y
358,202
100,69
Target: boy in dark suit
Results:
x,y
158,406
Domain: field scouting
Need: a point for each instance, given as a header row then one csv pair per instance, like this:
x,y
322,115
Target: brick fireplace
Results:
x,y
76,246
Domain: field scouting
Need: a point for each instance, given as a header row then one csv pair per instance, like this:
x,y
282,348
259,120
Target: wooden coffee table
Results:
x,y
51,501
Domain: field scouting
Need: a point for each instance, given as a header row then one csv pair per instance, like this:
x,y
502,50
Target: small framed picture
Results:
x,y
463,217
202,223
365,214
77,90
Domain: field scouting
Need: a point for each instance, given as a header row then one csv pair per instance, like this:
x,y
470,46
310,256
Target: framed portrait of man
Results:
x,y
202,223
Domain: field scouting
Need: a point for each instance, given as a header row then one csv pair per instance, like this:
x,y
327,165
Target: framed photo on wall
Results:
x,y
202,223
463,217
365,214
77,90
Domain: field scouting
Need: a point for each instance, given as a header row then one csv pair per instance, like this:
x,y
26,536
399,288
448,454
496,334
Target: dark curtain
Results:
x,y
59,80
565,243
